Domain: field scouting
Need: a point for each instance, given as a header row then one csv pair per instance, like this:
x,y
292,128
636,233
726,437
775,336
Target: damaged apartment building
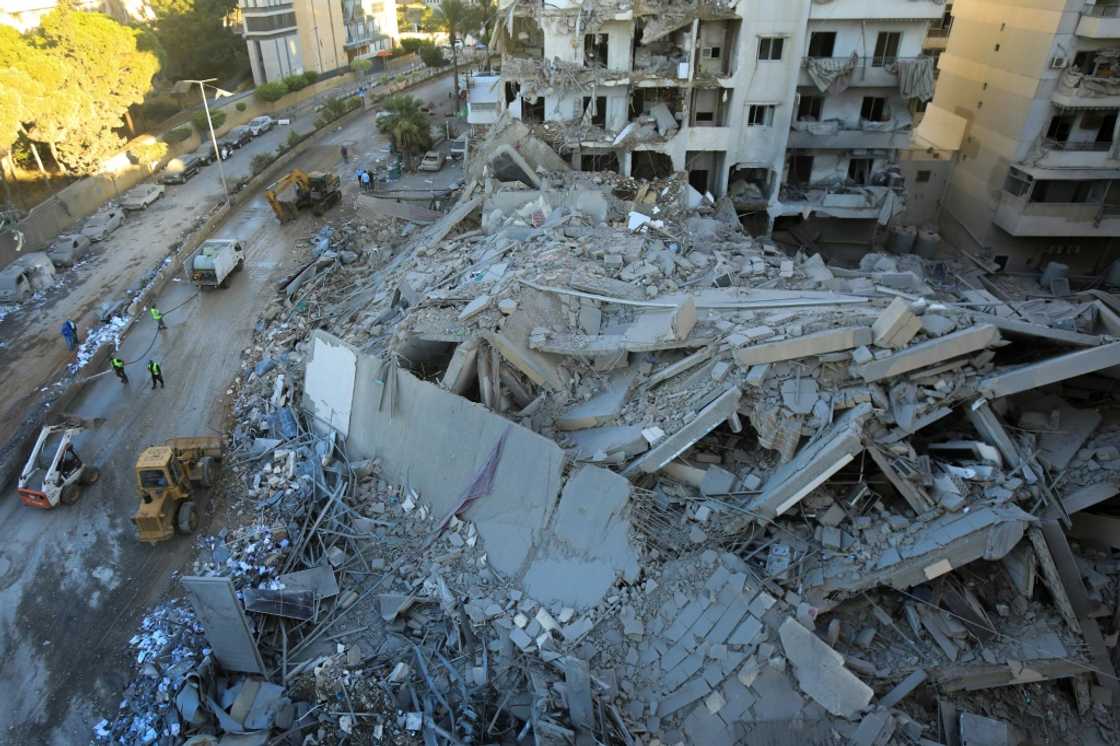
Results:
x,y
796,110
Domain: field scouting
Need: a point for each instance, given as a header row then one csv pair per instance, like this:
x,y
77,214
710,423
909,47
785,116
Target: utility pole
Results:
x,y
210,125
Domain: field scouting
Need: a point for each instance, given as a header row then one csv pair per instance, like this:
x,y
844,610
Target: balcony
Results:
x,y
1022,218
849,202
1079,91
1076,155
866,72
834,134
1100,21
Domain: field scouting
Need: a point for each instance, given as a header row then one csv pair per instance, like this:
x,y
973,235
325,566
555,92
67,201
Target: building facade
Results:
x,y
1038,174
288,37
795,108
371,26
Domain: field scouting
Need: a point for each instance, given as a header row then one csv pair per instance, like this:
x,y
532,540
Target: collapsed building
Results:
x,y
796,110
580,461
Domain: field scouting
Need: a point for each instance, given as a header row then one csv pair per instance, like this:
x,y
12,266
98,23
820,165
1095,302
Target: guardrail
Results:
x,y
1102,10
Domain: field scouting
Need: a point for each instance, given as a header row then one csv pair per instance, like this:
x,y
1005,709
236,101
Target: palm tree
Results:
x,y
454,16
408,126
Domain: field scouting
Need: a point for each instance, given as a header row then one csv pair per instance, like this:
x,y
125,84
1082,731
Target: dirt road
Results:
x,y
74,582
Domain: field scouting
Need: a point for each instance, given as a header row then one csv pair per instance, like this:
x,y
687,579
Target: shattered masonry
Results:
x,y
579,462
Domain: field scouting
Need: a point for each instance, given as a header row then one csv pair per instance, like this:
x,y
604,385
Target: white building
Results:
x,y
371,26
795,108
288,37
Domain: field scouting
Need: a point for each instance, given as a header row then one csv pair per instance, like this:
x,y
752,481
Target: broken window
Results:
x,y
822,43
646,164
886,48
598,162
708,107
595,48
1105,126
923,177
874,109
859,170
800,169
809,108
532,111
1068,191
760,115
770,48
698,179
1060,127
1017,183
599,113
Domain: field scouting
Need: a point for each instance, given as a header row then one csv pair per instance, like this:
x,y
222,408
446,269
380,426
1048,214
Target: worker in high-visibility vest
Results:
x,y
157,373
118,368
157,317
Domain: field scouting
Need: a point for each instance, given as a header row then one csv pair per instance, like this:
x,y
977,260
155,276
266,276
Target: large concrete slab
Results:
x,y
588,543
680,441
1050,371
329,386
604,406
820,343
813,464
512,341
964,342
436,443
215,602
821,674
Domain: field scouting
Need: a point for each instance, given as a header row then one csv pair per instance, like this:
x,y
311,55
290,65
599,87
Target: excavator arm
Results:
x,y
285,196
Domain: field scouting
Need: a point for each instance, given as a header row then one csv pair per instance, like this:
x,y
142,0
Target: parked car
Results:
x,y
260,125
103,222
458,147
205,153
66,250
240,135
20,279
139,198
180,170
432,161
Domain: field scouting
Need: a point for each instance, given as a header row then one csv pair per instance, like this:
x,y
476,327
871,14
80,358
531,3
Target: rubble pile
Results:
x,y
582,462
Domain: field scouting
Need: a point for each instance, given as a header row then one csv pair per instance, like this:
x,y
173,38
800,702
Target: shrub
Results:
x,y
260,162
240,106
217,119
270,92
294,139
310,77
361,67
413,45
432,56
295,82
177,135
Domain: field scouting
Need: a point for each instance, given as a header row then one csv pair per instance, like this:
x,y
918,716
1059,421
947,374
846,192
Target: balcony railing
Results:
x,y
884,62
1102,10
1077,146
938,31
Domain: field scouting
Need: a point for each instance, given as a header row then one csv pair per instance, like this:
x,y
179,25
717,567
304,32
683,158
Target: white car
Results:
x,y
66,250
102,223
432,161
260,125
20,279
138,198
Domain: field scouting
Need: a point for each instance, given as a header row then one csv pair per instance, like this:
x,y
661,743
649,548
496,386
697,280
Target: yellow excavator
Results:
x,y
298,190
165,476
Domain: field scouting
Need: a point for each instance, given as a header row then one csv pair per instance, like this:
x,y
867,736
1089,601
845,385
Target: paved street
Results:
x,y
74,582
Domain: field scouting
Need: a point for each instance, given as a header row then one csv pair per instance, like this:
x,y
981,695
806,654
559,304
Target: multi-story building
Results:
x,y
24,15
371,26
794,108
287,37
1038,174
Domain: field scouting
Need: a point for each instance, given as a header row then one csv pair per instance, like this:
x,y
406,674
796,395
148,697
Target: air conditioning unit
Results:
x,y
1058,63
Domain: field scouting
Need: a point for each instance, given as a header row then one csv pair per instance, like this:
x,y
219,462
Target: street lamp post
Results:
x,y
210,125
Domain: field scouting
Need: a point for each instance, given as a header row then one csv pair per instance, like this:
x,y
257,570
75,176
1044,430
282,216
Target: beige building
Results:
x,y
291,37
1038,174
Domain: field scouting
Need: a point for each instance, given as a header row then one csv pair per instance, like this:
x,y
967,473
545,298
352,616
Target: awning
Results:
x,y
940,129
385,53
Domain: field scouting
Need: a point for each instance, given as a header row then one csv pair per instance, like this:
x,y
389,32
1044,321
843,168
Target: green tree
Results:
x,y
432,55
197,39
454,16
106,71
217,119
408,126
361,66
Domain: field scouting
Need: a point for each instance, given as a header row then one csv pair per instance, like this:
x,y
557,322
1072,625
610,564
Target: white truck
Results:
x,y
214,261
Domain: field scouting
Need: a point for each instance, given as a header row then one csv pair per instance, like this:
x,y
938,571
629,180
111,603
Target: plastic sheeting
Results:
x,y
831,74
915,78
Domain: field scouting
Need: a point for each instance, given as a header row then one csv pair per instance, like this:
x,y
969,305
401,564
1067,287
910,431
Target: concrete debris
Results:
x,y
580,461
